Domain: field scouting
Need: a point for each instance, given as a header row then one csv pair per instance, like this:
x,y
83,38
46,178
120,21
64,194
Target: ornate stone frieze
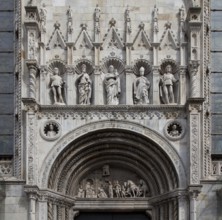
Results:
x,y
119,112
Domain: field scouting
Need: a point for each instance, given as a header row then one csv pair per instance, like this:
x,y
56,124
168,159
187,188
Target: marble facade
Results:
x,y
112,111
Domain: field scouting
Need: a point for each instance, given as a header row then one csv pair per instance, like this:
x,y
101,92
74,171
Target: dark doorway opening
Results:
x,y
112,216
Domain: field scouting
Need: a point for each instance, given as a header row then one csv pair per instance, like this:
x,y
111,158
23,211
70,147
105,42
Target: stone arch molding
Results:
x,y
64,142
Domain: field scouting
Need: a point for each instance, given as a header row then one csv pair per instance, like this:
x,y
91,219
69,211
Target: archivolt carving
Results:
x,y
133,127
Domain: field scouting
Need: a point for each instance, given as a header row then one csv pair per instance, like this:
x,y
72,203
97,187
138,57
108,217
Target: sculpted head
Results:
x,y
168,69
84,68
142,71
111,68
56,71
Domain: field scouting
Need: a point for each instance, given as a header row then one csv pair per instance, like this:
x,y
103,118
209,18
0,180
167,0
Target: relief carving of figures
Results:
x,y
111,190
112,86
57,84
167,81
84,87
141,89
90,192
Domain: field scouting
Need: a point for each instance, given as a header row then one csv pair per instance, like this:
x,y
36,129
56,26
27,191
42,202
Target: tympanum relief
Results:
x,y
112,182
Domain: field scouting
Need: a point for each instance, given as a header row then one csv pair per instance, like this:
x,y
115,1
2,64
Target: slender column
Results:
x,y
54,211
182,93
156,89
183,207
71,96
170,209
43,85
43,209
129,85
32,67
32,207
194,192
98,87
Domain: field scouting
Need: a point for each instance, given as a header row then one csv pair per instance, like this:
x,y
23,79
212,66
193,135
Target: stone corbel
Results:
x,y
33,70
194,79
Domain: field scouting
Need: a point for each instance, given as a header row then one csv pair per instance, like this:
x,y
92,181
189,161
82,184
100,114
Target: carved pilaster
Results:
x,y
32,68
156,89
194,78
71,78
129,85
43,206
195,108
193,193
44,81
182,81
98,86
32,31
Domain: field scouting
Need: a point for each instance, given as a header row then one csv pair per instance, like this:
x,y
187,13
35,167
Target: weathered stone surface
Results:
x,y
6,103
216,62
6,41
7,21
6,143
216,43
216,82
6,62
6,83
216,4
217,124
6,124
217,144
7,5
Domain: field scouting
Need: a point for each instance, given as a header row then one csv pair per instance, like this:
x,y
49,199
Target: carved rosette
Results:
x,y
193,69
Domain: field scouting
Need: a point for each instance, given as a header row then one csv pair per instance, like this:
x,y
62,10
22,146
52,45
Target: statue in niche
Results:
x,y
57,84
51,131
101,193
166,86
112,86
141,89
84,87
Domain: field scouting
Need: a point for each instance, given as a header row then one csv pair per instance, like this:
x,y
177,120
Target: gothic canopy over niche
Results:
x,y
112,158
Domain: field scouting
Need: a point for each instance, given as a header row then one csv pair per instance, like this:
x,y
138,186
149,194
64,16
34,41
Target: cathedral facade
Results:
x,y
112,112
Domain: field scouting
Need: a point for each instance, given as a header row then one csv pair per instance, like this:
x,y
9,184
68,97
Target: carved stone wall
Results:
x,y
110,96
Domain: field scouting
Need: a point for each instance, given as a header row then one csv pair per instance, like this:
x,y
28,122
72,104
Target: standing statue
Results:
x,y
112,86
141,89
110,190
166,86
84,87
57,84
